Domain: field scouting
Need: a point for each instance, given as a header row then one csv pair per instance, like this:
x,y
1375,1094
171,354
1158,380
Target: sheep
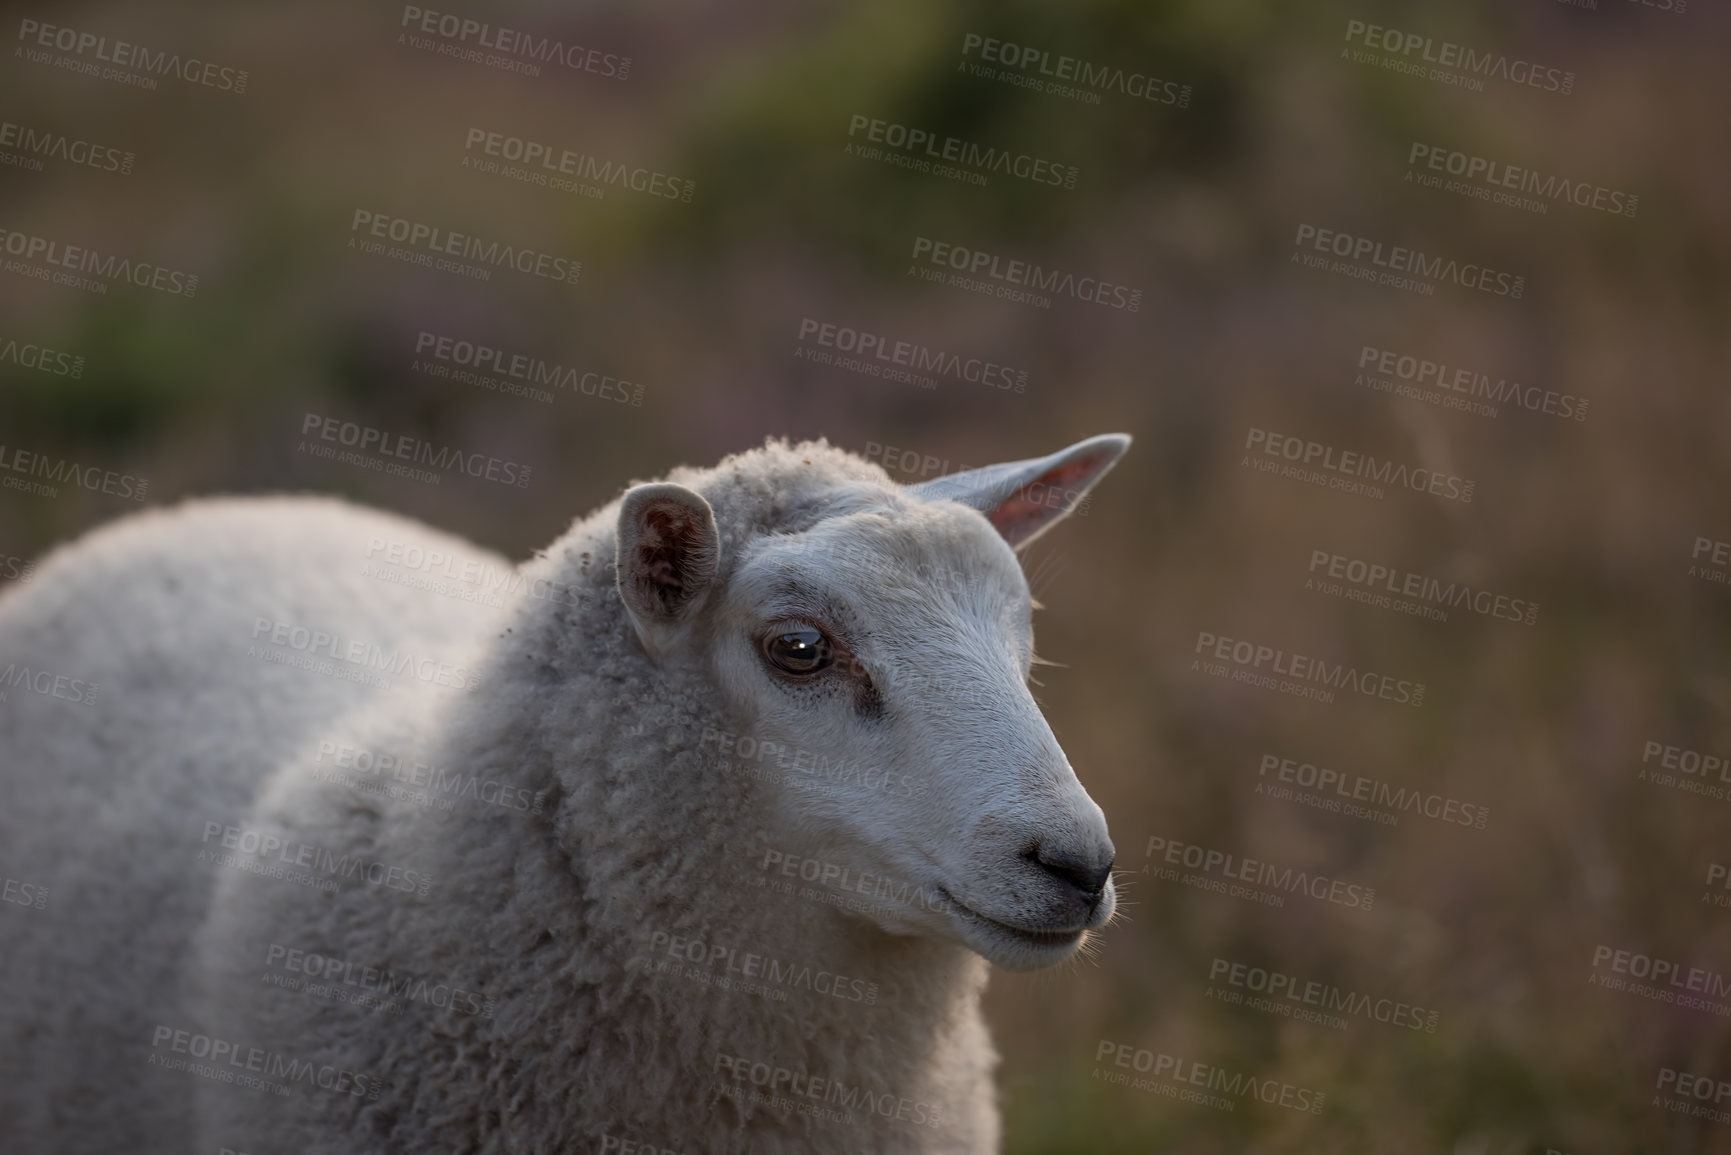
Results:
x,y
697,832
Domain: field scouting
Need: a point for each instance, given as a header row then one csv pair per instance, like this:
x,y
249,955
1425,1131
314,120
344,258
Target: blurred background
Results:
x,y
1206,137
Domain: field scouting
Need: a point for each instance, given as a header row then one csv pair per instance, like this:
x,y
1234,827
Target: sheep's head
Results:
x,y
881,648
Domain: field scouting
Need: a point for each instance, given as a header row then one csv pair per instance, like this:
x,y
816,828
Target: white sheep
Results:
x,y
692,834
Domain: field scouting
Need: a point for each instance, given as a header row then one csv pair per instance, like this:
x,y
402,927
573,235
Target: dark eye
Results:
x,y
799,650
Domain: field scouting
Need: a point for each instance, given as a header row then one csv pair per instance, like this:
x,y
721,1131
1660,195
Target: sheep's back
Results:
x,y
139,705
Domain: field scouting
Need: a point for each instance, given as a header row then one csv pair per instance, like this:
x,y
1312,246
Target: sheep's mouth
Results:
x,y
1039,939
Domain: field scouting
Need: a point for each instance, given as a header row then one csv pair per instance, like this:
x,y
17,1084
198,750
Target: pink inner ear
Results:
x,y
1044,499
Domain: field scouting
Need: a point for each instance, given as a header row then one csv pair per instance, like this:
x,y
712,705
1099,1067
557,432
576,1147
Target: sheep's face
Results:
x,y
878,662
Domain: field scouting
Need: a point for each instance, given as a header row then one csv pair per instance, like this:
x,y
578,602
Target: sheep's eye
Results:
x,y
800,650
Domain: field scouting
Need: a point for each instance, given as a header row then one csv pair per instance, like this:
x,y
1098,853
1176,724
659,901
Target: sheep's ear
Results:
x,y
1024,498
668,550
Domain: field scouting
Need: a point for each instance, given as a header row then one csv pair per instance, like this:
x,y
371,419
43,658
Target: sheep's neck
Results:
x,y
646,876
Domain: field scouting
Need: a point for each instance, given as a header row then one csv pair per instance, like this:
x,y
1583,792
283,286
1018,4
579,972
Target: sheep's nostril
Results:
x,y
1087,877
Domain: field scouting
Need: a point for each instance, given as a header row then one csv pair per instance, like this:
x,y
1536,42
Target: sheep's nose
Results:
x,y
1086,875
